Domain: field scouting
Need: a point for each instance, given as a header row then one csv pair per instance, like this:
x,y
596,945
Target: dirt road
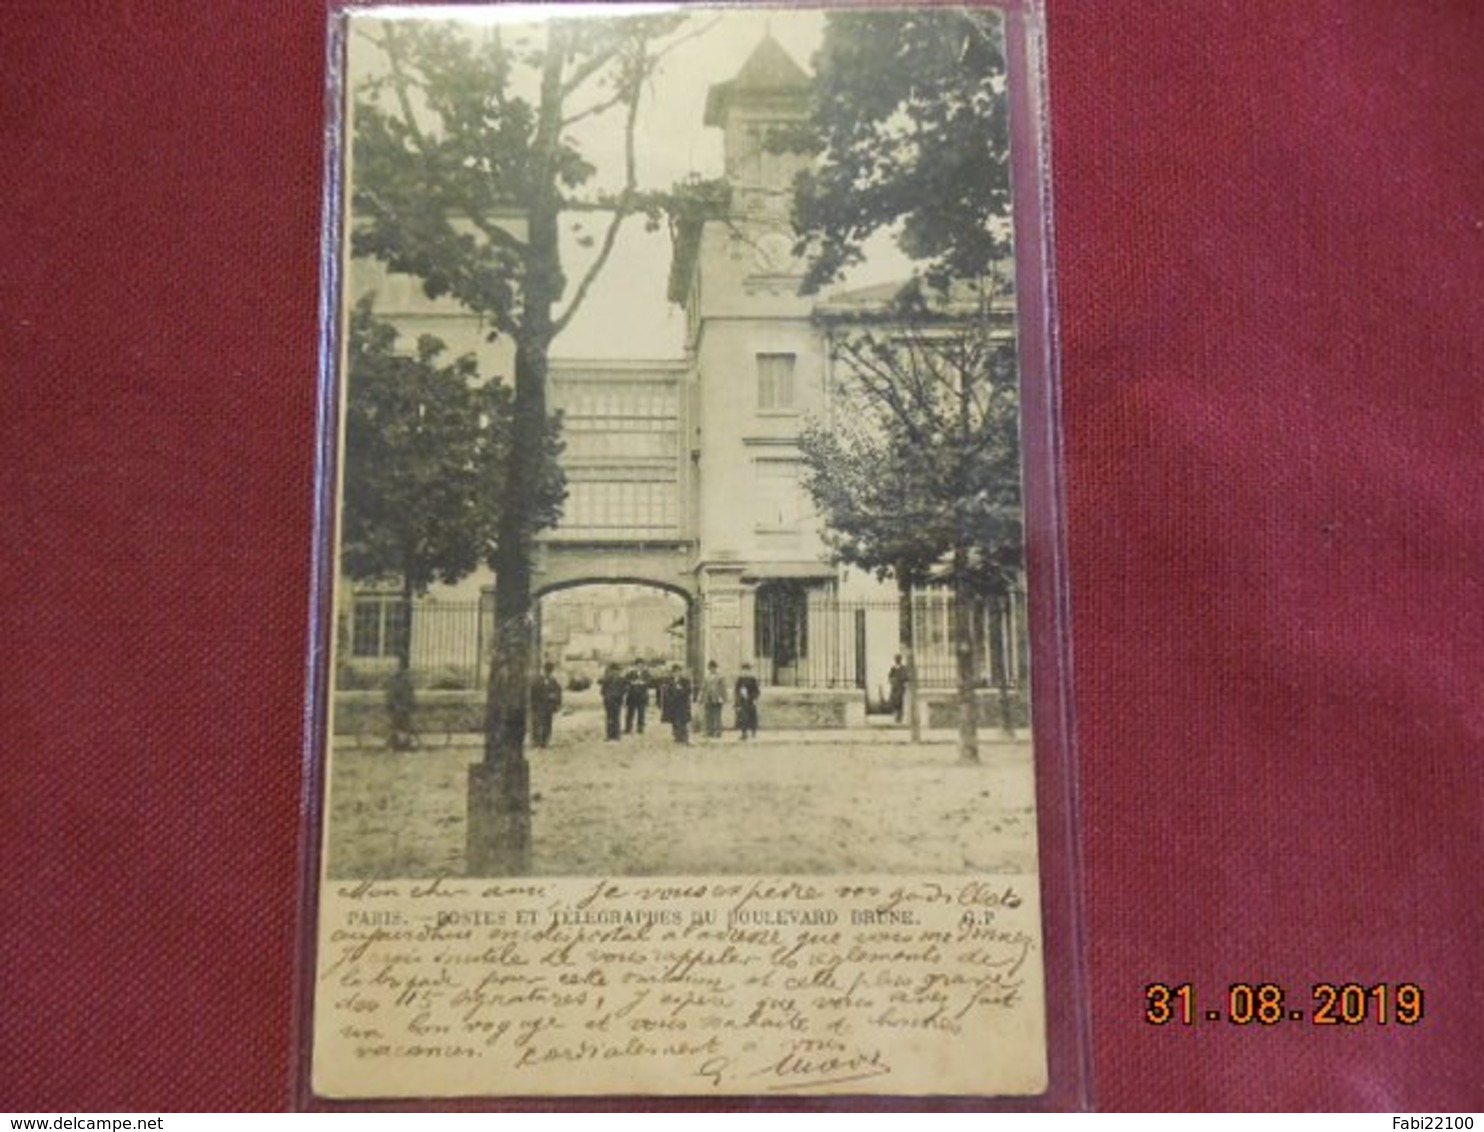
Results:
x,y
815,803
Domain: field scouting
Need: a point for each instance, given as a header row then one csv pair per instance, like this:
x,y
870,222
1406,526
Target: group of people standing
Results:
x,y
745,693
628,694
626,698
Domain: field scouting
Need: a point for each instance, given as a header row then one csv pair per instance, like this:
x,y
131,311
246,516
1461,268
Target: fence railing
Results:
x,y
803,639
996,630
448,642
822,641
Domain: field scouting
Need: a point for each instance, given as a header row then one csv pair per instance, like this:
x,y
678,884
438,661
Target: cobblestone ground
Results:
x,y
810,803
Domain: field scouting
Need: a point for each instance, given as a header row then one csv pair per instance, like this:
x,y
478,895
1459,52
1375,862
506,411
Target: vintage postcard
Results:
x,y
678,734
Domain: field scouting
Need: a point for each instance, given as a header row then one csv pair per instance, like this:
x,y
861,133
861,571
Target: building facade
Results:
x,y
770,596
685,474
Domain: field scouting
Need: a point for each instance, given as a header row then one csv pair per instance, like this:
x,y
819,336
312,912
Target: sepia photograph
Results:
x,y
704,554
680,526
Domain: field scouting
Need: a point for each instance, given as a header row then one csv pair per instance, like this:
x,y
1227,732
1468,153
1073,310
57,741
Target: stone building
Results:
x,y
684,474
759,373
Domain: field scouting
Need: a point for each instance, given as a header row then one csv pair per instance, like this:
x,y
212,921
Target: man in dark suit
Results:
x,y
612,685
897,679
677,704
713,697
635,699
546,698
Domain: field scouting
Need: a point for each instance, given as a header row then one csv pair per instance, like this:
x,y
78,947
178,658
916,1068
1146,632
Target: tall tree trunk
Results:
x,y
964,604
499,828
1000,627
404,642
511,665
906,636
401,697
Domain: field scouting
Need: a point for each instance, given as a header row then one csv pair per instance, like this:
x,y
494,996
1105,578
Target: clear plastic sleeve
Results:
x,y
690,705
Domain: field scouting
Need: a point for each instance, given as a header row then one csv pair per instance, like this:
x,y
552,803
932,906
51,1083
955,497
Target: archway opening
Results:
x,y
584,627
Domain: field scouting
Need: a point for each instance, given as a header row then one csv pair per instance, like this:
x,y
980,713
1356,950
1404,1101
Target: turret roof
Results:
x,y
768,70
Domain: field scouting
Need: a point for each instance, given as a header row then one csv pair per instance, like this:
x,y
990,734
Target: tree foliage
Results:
x,y
910,134
921,480
910,127
466,166
426,444
465,156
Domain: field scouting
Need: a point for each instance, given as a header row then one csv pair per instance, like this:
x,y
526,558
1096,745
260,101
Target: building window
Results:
x,y
621,508
766,161
779,499
622,436
378,626
775,381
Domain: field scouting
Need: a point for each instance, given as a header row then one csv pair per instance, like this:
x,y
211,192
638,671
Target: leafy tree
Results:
x,y
910,134
865,484
922,481
465,165
910,125
426,444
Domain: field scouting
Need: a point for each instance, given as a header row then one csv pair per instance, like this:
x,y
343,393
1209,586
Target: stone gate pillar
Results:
x,y
721,619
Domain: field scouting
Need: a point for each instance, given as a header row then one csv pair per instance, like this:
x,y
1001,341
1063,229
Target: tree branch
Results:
x,y
593,111
679,41
625,202
496,235
587,70
881,384
391,48
919,387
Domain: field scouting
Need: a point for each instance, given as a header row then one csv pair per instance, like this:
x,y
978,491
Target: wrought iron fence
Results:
x,y
810,639
995,628
803,638
447,642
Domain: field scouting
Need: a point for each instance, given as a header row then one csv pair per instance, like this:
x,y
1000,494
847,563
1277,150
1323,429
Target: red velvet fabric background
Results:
x,y
1270,226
